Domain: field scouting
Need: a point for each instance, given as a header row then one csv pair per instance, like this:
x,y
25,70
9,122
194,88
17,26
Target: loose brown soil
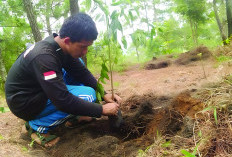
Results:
x,y
156,101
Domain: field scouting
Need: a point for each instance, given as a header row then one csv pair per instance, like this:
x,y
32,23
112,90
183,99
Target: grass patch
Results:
x,y
211,127
223,58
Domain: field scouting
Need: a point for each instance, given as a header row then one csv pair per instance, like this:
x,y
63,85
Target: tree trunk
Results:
x,y
74,7
145,7
2,69
48,8
223,36
229,16
154,12
196,32
193,31
32,20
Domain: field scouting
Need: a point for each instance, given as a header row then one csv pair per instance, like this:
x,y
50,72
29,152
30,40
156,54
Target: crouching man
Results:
x,y
47,85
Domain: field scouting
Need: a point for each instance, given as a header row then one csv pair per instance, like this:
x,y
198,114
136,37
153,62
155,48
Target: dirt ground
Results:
x,y
155,100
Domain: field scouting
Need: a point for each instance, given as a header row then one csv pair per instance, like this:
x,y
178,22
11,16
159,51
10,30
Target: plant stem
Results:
x,y
110,60
111,73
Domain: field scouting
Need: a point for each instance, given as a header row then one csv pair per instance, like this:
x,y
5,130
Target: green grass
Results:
x,y
223,58
3,106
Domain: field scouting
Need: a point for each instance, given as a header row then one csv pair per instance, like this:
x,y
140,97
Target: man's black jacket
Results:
x,y
36,76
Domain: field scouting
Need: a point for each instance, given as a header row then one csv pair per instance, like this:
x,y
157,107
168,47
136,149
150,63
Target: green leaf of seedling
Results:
x,y
186,153
115,35
100,89
124,42
116,25
104,67
99,98
101,79
215,115
114,15
104,74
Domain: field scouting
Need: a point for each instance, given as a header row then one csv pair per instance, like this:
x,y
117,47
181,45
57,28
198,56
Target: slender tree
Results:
x,y
220,26
74,7
194,12
47,16
229,17
2,69
32,20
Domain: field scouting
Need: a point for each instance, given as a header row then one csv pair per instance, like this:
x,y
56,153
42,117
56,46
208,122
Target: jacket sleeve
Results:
x,y
48,73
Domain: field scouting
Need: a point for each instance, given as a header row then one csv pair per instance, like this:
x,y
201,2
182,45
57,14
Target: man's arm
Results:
x,y
82,75
79,72
49,75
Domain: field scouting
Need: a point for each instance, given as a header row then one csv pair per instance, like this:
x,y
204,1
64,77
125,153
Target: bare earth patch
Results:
x,y
156,100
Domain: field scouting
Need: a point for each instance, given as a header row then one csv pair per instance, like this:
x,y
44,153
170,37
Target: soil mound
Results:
x,y
144,116
159,65
194,55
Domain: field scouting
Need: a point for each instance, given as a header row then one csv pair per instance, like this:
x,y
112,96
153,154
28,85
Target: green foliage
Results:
x,y
1,137
195,13
55,9
223,58
88,4
168,32
138,38
4,109
110,41
187,154
24,149
103,75
214,109
192,9
32,143
215,115
142,153
166,144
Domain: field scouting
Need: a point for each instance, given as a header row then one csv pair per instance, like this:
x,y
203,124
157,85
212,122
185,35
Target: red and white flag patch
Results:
x,y
49,75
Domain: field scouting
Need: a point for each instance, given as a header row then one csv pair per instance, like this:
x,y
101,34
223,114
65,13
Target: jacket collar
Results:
x,y
50,40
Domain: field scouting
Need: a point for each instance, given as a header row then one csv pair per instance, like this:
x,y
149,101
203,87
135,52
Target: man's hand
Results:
x,y
110,109
108,98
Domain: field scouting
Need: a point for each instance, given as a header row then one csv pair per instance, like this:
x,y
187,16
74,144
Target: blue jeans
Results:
x,y
50,117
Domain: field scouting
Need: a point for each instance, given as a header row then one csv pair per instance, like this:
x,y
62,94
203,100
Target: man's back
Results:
x,y
22,88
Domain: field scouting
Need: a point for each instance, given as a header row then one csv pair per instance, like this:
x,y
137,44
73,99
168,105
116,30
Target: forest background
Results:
x,y
133,30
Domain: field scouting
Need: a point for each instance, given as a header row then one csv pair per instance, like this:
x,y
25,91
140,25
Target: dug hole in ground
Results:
x,y
163,110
